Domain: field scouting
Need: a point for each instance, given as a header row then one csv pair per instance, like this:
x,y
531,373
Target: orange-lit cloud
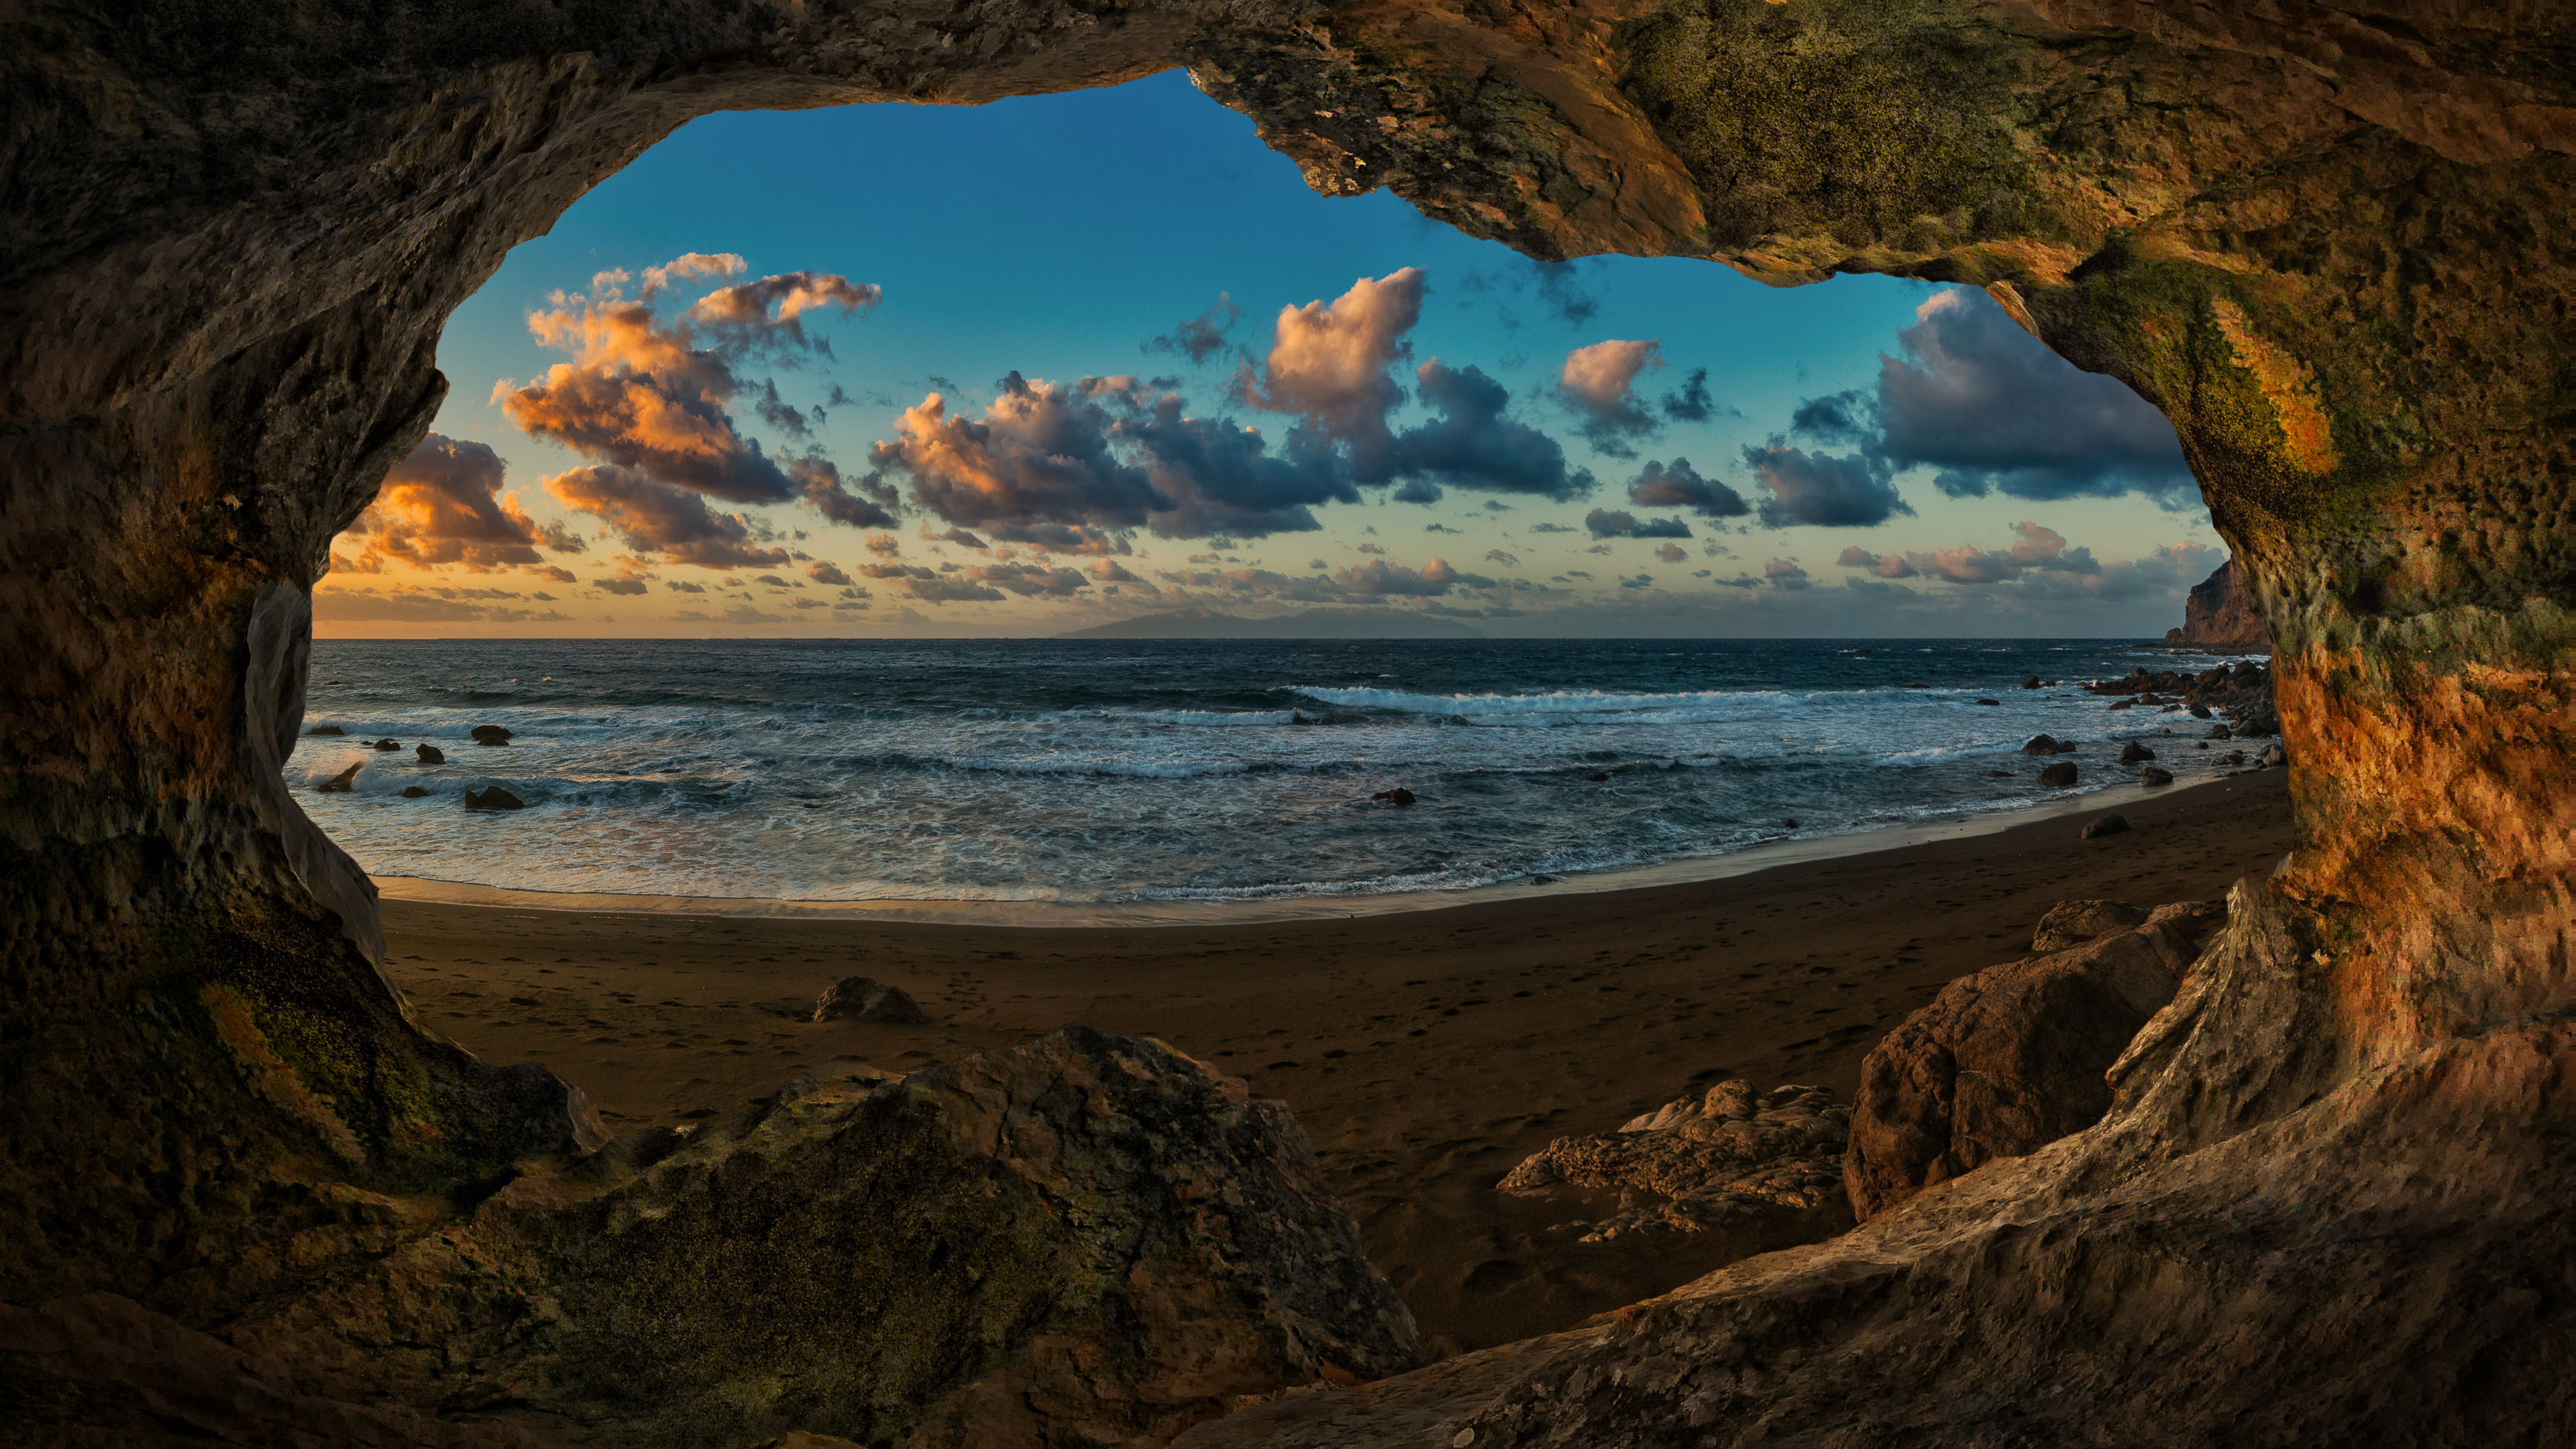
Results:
x,y
442,506
649,399
1329,364
673,524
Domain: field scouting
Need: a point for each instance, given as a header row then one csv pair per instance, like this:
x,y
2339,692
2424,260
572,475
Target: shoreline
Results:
x,y
1691,870
1424,1052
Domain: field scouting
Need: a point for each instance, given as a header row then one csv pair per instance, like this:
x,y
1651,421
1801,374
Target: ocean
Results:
x,y
1108,771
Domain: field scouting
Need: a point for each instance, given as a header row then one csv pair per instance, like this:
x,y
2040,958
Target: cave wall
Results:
x,y
2327,237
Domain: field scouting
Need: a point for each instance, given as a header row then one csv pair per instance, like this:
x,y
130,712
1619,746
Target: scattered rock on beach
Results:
x,y
389,744
2134,753
2060,773
1708,1160
2200,711
2012,1058
2220,732
2031,683
491,735
1397,796
864,998
493,798
2069,924
340,783
430,754
414,792
2113,824
2275,757
326,730
2039,745
2126,704
2154,776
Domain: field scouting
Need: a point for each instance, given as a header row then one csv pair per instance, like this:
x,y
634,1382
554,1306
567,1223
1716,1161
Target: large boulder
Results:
x,y
493,797
2012,1058
1083,1240
2058,775
1708,1160
429,754
342,782
1086,1240
490,735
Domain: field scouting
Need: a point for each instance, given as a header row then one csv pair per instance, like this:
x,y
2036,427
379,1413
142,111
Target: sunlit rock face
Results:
x,y
2329,240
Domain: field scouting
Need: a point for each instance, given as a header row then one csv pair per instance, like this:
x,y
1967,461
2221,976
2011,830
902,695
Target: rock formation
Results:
x,y
2010,1059
1088,1239
2326,237
2219,616
2069,924
1712,1159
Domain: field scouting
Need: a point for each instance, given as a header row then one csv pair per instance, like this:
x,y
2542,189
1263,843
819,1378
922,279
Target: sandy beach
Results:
x,y
1425,1053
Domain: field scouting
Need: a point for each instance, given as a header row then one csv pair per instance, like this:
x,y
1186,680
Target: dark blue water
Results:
x,y
1098,770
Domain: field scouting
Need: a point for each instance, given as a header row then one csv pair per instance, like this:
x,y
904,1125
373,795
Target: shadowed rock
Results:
x,y
2134,753
490,735
2060,774
864,998
2112,824
2154,776
414,792
2011,1058
342,782
430,754
493,797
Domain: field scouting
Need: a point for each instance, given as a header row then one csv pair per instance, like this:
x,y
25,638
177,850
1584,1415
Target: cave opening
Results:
x,y
2327,243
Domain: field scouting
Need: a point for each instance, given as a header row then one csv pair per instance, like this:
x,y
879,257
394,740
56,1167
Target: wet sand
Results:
x,y
1425,1053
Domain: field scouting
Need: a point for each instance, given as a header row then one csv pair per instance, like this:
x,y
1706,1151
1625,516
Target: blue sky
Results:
x,y
1055,237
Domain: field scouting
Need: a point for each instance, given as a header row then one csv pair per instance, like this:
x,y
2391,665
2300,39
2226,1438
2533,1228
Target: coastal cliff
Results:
x,y
2219,616
2326,237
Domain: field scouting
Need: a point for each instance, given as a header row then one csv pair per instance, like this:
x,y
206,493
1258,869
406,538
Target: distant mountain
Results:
x,y
1313,624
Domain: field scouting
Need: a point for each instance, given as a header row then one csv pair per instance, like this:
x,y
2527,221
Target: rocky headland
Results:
x,y
2219,617
252,1196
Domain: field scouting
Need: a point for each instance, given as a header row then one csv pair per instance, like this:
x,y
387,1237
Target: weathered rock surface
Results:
x,y
1713,1159
429,754
2153,776
2327,239
864,998
2039,745
1088,1239
493,797
2058,775
2134,753
2112,824
2219,615
342,782
490,735
2072,923
415,792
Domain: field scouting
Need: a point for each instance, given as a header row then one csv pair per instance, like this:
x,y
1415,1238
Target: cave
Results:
x,y
249,1199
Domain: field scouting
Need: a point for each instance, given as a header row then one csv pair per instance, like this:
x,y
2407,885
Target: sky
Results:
x,y
1054,362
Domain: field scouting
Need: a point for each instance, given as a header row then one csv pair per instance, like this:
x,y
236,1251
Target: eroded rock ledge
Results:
x,y
2327,237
